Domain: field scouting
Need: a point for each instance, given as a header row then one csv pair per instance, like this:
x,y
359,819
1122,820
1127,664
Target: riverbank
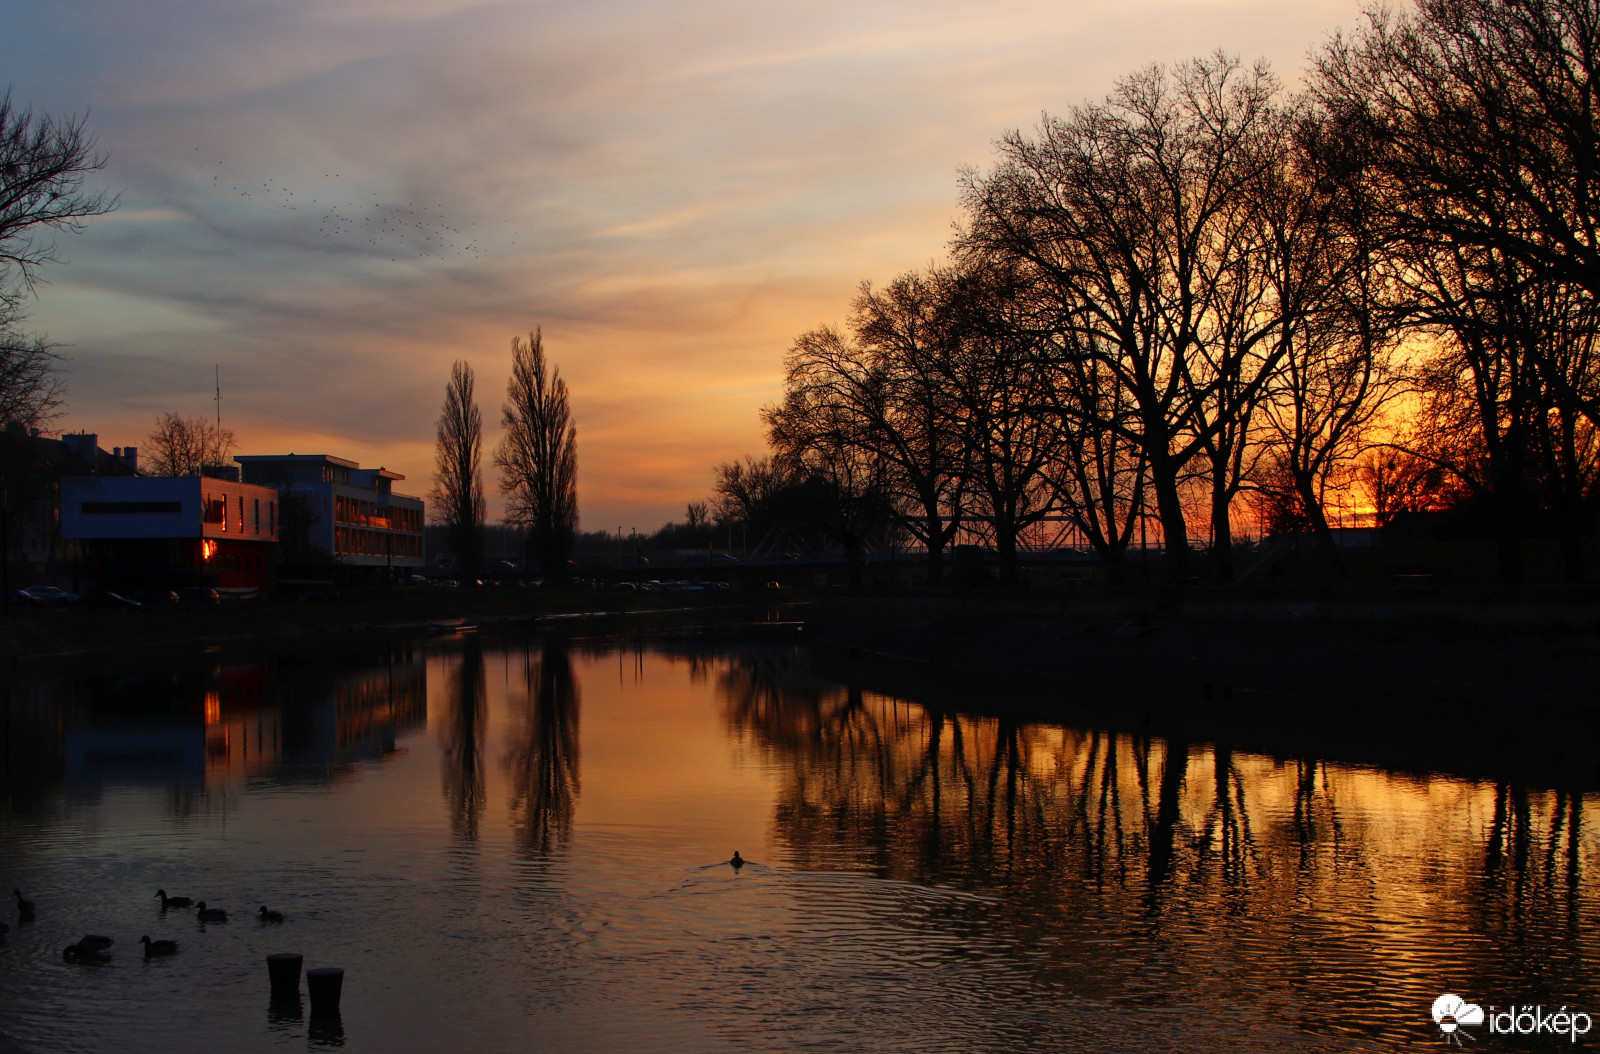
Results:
x,y
53,635
1501,691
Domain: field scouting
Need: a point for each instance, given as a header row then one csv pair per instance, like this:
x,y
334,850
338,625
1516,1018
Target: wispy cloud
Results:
x,y
333,199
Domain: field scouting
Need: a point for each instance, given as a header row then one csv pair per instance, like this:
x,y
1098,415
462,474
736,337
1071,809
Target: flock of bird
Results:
x,y
96,947
413,229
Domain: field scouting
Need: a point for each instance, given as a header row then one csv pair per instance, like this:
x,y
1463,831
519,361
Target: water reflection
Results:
x,y
928,877
462,743
326,1029
542,761
208,727
1171,858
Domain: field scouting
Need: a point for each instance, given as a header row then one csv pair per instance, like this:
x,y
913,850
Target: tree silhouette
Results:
x,y
458,479
538,455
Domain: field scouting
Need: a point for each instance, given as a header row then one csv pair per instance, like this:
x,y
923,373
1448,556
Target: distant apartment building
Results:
x,y
350,512
167,531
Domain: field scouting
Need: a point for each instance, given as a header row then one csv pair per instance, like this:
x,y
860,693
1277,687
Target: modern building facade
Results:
x,y
166,531
349,512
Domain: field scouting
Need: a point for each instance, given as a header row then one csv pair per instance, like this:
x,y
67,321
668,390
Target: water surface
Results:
x,y
521,844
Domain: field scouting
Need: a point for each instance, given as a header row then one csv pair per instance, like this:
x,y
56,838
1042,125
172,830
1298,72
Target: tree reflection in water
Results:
x,y
462,743
1294,872
542,763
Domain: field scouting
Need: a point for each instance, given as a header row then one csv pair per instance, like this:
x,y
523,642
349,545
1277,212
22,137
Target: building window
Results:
x,y
108,508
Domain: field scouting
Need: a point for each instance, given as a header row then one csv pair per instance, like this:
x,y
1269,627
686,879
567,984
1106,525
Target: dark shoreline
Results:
x,y
1500,690
31,637
1508,692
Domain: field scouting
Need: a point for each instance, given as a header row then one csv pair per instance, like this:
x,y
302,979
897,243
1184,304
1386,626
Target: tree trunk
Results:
x,y
1569,512
1116,558
1221,535
1508,536
1175,534
935,550
1306,490
1005,547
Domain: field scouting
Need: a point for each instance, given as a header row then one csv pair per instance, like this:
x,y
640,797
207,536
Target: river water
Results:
x,y
520,843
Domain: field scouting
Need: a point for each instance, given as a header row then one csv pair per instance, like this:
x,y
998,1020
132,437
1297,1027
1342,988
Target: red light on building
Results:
x,y
208,549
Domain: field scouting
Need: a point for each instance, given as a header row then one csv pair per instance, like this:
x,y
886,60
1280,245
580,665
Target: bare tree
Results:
x,y
43,162
1476,120
31,388
993,370
1398,482
745,490
458,477
841,483
697,514
538,455
1136,221
1474,150
1099,475
900,392
187,446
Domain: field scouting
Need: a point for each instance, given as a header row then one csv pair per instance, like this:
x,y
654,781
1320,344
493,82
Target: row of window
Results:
x,y
215,510
350,541
371,514
108,508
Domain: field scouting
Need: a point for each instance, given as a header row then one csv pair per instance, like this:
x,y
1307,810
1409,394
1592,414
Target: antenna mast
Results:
x,y
218,369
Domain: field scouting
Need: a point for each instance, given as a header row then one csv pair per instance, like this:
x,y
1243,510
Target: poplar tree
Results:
x,y
458,478
538,455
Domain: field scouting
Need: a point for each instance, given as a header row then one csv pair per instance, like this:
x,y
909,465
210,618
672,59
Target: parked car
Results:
x,y
46,596
198,595
101,600
155,598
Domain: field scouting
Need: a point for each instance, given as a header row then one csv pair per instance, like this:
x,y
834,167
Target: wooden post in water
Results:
x,y
324,984
283,972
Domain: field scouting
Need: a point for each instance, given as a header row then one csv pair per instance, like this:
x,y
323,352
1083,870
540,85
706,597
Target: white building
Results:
x,y
352,512
171,530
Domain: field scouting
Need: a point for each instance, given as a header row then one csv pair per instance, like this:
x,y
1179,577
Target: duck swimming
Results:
x,y
154,948
173,902
91,948
270,916
205,914
24,907
737,862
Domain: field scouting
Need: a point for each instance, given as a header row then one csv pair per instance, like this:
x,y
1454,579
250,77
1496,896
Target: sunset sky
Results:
x,y
333,199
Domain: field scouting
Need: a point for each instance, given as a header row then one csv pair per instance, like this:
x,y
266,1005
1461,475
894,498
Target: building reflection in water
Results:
x,y
1132,857
542,760
461,742
213,725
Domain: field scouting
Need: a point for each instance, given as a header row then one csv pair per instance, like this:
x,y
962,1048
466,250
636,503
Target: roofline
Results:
x,y
305,458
